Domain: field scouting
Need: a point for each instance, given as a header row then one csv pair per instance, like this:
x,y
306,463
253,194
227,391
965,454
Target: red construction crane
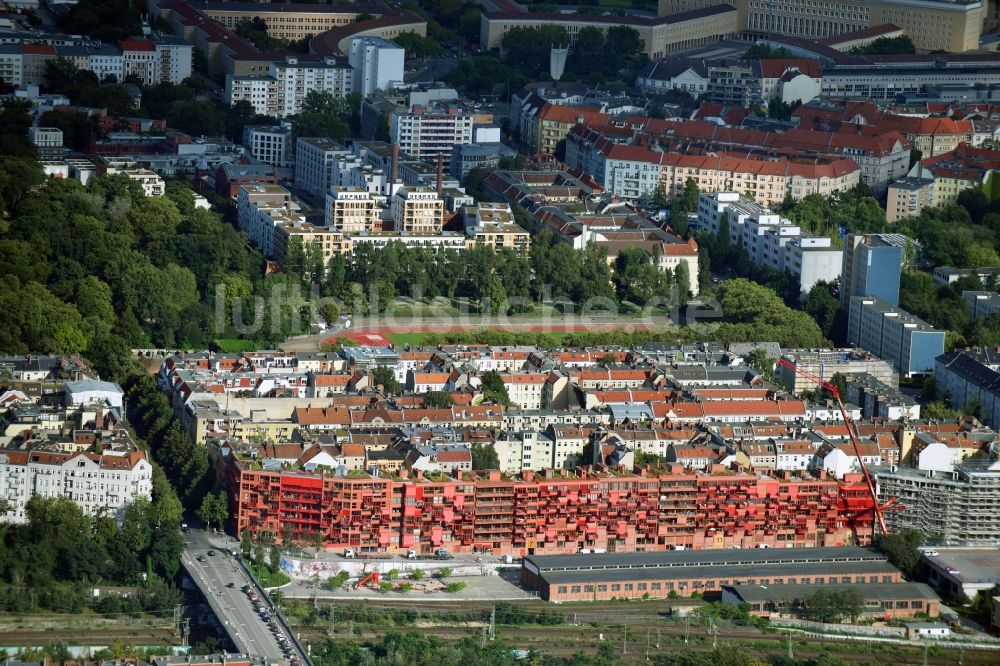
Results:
x,y
852,433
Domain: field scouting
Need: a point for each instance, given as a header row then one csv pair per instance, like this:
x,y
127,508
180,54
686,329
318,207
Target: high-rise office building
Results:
x,y
871,267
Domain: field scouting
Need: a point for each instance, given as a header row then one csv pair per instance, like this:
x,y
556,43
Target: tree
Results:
x,y
761,362
493,389
196,117
246,543
527,49
901,45
274,559
384,377
324,115
438,400
902,549
484,456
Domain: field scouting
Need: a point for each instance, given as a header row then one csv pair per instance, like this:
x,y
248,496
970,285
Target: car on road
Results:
x,y
230,584
202,558
211,553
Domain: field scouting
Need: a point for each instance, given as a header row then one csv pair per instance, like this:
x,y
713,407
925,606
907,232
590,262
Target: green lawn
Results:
x,y
235,346
403,339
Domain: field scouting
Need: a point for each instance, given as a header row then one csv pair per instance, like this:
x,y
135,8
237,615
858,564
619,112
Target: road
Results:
x,y
245,627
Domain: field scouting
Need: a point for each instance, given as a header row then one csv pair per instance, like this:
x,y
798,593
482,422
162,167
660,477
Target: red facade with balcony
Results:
x,y
541,515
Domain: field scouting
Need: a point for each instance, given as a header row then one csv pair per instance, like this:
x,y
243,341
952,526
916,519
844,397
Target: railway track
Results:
x,y
566,640
135,635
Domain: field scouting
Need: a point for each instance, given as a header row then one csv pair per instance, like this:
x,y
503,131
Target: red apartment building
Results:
x,y
549,513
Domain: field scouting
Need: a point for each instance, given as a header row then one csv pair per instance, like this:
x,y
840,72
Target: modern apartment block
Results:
x,y
908,197
432,130
283,89
377,63
493,224
872,264
270,145
769,239
956,507
910,344
314,164
533,514
417,210
352,210
259,208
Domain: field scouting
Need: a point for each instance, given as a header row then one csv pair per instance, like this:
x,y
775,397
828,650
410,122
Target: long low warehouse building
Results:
x,y
882,601
600,576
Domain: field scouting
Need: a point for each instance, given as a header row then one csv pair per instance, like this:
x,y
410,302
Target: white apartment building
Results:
x,y
523,451
152,183
426,131
525,388
46,139
259,207
282,92
297,78
769,239
314,160
175,58
377,63
351,210
95,482
270,145
417,210
812,259
261,92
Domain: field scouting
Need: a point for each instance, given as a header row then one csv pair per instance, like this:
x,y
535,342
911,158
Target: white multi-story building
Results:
x,y
96,482
283,91
270,145
769,239
106,62
261,92
417,210
812,259
296,78
314,161
175,59
377,63
426,131
259,207
351,210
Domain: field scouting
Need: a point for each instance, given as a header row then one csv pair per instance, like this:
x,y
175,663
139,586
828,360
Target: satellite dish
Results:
x,y
557,61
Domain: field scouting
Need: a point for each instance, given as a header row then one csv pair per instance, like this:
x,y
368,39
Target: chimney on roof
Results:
x,y
440,174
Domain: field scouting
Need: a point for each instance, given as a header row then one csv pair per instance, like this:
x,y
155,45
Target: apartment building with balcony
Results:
x,y
541,514
417,210
427,131
352,210
492,224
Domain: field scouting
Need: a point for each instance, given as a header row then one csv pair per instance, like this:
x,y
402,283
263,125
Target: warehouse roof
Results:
x,y
690,558
880,591
728,572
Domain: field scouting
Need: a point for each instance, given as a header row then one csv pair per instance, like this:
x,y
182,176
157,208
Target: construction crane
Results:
x,y
852,434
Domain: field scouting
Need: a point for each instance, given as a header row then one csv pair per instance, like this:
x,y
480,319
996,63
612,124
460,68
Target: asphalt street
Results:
x,y
243,623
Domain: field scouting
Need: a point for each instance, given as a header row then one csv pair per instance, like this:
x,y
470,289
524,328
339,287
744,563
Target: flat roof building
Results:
x,y
599,576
